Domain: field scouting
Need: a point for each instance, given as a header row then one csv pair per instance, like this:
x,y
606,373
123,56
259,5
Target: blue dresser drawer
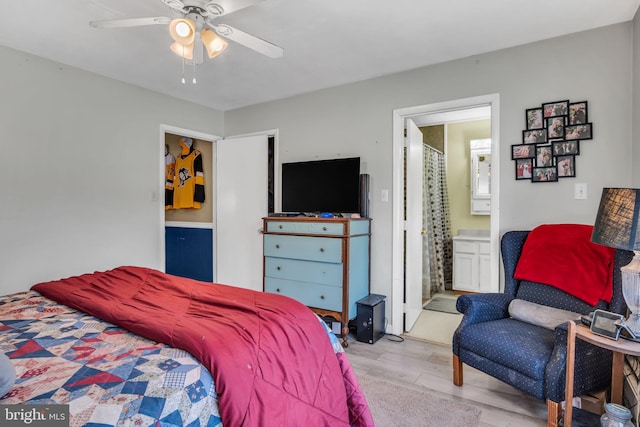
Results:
x,y
309,294
324,273
301,227
324,249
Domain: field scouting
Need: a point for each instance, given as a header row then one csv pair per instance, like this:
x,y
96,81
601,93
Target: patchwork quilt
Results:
x,y
112,377
109,377
271,361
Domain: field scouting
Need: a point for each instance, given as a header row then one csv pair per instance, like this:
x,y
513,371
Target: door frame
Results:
x,y
398,223
164,129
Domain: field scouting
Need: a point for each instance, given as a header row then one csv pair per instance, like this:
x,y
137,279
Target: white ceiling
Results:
x,y
326,42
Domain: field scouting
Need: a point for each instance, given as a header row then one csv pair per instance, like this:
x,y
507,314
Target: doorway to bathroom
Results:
x,y
450,211
410,227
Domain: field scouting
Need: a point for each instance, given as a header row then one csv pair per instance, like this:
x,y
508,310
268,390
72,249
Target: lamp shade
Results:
x,y
212,42
617,221
182,31
185,51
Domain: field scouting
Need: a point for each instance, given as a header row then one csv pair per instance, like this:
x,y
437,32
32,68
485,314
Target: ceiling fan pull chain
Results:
x,y
194,71
183,80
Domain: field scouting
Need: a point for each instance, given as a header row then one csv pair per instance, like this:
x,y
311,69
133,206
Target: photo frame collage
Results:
x,y
551,141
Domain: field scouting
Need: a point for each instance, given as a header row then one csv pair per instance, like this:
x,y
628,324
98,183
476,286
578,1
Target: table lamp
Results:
x,y
617,227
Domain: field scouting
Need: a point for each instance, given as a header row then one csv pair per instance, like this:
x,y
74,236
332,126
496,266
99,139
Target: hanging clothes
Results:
x,y
169,176
188,192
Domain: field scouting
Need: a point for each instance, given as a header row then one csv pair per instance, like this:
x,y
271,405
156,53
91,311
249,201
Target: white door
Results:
x,y
241,203
414,237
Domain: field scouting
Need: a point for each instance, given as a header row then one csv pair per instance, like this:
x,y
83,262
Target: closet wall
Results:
x,y
189,233
205,213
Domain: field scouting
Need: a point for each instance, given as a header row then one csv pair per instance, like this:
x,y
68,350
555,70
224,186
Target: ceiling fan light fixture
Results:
x,y
212,42
182,31
184,51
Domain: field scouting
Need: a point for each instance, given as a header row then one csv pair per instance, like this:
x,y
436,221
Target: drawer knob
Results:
x,y
277,246
278,268
324,228
321,249
321,296
280,227
277,289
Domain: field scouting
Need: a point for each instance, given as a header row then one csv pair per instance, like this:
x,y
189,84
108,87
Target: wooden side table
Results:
x,y
619,349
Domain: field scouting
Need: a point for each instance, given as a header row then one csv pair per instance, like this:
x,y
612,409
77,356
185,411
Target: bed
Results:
x,y
135,346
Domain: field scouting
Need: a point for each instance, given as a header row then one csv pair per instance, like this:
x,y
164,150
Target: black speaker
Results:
x,y
364,195
370,318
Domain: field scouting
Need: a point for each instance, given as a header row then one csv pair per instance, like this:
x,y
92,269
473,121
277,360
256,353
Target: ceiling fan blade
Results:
x,y
247,40
230,6
134,22
175,4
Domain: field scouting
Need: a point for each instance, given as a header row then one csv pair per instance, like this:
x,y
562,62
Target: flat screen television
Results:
x,y
321,186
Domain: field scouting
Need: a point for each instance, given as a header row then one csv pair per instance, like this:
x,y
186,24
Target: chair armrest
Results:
x,y
479,308
592,370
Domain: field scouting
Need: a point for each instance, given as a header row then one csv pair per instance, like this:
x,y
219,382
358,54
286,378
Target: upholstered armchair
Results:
x,y
527,356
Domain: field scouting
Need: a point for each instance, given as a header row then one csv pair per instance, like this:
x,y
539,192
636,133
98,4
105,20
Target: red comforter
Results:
x,y
270,358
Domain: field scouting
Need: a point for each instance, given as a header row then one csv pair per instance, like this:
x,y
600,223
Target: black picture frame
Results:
x,y
578,132
578,113
544,174
523,151
524,168
566,166
556,138
555,127
534,136
544,156
555,109
563,147
533,118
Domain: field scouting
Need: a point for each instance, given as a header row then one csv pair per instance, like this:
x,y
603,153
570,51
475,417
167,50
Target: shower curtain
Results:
x,y
437,265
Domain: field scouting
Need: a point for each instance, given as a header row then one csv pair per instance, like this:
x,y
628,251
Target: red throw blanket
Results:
x,y
271,360
563,256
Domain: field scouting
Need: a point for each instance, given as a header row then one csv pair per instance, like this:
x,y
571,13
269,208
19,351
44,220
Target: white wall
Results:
x,y
81,165
636,101
355,120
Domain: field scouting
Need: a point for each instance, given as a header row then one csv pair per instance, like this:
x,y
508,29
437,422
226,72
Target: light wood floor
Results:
x,y
420,365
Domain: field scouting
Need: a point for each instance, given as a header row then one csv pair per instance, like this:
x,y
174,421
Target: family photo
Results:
x,y
551,141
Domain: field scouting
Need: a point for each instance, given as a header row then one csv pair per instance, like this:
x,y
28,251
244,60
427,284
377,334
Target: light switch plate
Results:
x,y
580,191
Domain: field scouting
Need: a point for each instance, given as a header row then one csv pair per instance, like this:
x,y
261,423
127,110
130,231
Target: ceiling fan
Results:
x,y
194,28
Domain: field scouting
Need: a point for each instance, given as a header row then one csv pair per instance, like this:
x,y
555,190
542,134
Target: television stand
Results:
x,y
321,262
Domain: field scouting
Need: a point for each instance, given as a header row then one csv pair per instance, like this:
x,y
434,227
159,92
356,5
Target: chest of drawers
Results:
x,y
321,262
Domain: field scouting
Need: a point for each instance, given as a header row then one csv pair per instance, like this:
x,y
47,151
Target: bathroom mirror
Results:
x,y
480,176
